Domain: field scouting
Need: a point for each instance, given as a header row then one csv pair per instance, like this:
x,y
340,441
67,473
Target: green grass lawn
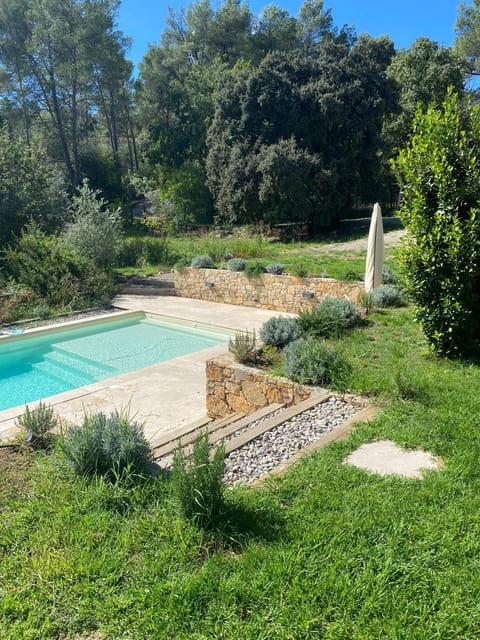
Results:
x,y
328,551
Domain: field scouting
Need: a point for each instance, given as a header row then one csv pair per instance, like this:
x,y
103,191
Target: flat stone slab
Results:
x,y
386,458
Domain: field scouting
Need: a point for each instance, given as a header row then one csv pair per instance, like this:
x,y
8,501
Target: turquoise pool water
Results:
x,y
41,366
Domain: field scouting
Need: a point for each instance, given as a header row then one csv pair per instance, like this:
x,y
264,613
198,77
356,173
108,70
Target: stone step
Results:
x,y
147,290
162,281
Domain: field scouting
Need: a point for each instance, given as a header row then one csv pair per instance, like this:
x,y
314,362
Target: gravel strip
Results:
x,y
259,456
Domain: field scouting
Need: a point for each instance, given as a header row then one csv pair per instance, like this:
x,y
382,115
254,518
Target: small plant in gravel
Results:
x,y
197,481
202,262
333,317
37,423
279,331
314,362
109,446
387,296
236,264
243,346
275,268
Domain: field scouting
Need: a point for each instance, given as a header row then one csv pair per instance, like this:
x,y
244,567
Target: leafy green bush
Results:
x,y
275,268
387,297
279,331
65,277
202,262
153,251
309,361
106,446
331,318
41,311
243,346
254,269
439,174
236,264
197,481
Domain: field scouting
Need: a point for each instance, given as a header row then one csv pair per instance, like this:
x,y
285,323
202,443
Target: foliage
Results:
x,y
389,276
387,296
107,446
311,361
275,268
467,42
65,277
243,346
236,264
333,317
66,71
202,262
95,231
30,188
424,72
142,251
197,481
289,135
439,173
254,269
38,421
279,331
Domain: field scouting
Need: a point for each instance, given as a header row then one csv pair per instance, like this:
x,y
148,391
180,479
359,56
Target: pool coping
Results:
x,y
6,415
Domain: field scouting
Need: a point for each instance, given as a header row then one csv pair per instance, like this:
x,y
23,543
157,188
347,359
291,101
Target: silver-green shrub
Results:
x,y
197,481
331,318
96,231
387,297
275,268
202,262
388,276
106,446
310,361
279,331
236,264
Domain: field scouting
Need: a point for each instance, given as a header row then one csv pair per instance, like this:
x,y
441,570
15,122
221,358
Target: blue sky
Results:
x,y
403,20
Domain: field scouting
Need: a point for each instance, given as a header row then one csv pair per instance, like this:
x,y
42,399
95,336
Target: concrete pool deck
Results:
x,y
161,397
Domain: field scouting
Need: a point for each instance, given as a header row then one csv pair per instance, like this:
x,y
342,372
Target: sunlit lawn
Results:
x,y
328,551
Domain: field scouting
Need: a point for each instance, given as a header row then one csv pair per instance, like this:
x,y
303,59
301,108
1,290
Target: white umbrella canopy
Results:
x,y
373,271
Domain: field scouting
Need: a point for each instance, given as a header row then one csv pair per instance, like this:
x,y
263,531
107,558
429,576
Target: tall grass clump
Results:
x,y
243,346
38,423
197,481
310,361
107,446
332,318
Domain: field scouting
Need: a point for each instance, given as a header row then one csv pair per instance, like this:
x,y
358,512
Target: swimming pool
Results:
x,y
34,367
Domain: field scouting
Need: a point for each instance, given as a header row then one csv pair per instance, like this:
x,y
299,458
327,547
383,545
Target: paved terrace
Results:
x,y
164,396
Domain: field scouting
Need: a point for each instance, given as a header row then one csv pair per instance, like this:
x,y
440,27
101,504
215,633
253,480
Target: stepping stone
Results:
x,y
386,458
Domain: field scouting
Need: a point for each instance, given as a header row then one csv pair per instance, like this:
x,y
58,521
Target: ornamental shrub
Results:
x,y
439,174
106,446
279,331
310,361
333,317
275,268
202,262
387,297
236,264
388,276
243,346
197,481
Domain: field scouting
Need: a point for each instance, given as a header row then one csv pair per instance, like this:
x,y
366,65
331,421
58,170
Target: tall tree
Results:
x,y
297,137
467,29
52,50
423,73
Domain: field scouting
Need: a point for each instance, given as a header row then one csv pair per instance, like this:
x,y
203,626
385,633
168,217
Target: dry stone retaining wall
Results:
x,y
234,387
281,293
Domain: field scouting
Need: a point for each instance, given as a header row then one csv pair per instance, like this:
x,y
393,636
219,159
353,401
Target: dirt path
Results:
x,y
391,239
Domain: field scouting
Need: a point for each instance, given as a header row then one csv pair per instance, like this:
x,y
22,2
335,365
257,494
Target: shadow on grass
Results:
x,y
240,524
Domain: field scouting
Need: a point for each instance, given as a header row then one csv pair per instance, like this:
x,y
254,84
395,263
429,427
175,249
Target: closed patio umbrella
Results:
x,y
373,271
